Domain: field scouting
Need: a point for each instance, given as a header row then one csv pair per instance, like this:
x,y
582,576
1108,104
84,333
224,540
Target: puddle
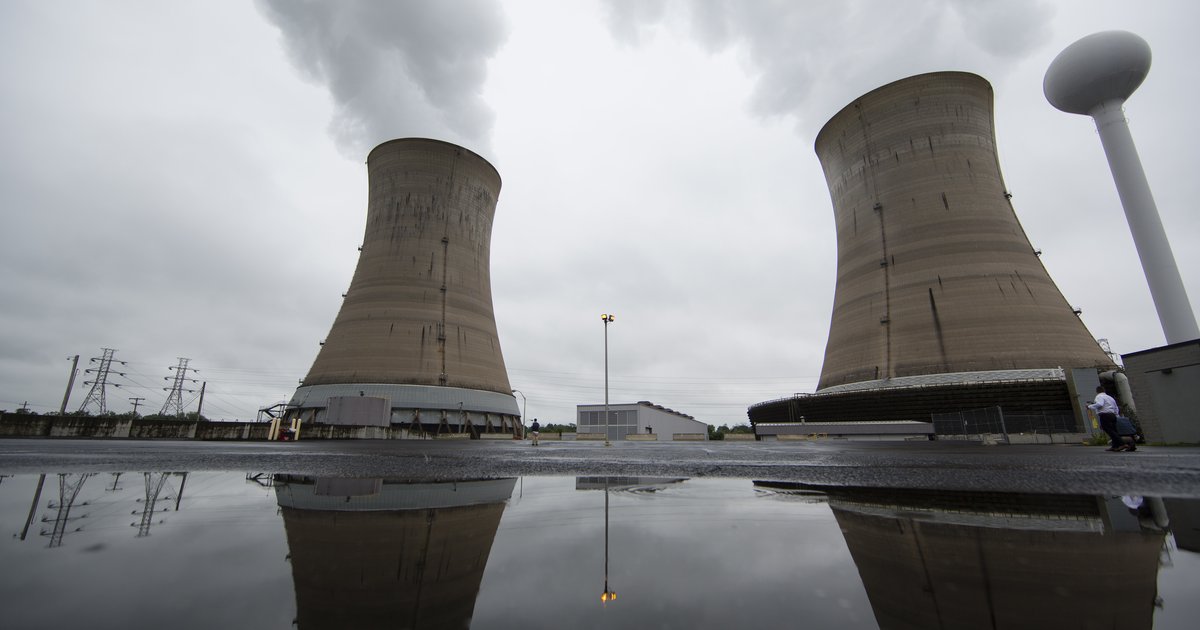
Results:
x,y
205,549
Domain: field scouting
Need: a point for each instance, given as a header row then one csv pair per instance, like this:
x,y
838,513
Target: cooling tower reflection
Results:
x,y
373,553
1002,560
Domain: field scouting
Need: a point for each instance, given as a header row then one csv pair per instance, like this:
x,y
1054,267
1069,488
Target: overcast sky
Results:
x,y
187,179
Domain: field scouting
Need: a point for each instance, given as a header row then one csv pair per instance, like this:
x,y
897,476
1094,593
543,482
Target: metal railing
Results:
x,y
994,420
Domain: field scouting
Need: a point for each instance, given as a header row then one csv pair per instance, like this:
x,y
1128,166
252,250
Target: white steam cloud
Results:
x,y
396,69
798,50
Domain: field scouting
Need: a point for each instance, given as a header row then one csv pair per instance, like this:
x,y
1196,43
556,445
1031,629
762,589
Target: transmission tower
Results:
x,y
96,395
174,404
68,491
1107,350
153,489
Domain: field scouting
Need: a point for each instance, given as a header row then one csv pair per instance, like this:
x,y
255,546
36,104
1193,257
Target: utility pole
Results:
x,y
70,383
200,406
175,398
136,400
96,394
37,495
179,495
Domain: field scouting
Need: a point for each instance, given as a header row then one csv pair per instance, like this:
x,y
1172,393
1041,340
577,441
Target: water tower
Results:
x,y
1094,76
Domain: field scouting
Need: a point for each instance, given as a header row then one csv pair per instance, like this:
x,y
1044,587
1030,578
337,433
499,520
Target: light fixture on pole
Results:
x,y
608,319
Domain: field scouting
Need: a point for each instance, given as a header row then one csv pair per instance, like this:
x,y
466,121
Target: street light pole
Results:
x,y
608,319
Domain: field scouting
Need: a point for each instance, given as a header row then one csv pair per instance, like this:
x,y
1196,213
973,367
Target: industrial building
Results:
x,y
415,341
941,303
639,418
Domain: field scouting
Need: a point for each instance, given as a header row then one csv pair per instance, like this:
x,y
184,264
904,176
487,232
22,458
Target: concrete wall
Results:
x,y
934,272
23,425
359,411
668,423
1166,388
20,425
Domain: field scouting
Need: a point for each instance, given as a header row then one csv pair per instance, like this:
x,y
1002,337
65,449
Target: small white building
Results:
x,y
642,417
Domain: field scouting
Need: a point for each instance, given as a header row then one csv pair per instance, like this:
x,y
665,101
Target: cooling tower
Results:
x,y
934,273
415,341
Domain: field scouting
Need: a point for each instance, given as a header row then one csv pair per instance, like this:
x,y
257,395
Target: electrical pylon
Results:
x,y
1108,350
174,404
153,489
68,491
96,394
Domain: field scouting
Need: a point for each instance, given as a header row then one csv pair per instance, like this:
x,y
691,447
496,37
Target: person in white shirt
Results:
x,y
1106,410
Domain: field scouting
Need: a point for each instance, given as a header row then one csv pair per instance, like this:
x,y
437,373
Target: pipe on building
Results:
x,y
1121,384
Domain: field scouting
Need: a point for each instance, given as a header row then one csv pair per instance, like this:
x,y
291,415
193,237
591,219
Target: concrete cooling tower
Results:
x,y
415,341
935,276
935,273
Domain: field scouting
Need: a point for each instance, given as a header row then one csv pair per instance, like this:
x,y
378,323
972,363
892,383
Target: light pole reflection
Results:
x,y
607,595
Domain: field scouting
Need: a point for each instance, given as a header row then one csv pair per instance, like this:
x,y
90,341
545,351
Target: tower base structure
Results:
x,y
418,408
1029,400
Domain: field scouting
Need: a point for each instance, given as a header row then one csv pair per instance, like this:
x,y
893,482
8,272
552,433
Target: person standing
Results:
x,y
534,429
1106,409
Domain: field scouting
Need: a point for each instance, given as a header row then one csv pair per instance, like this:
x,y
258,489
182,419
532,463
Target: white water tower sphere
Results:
x,y
1098,68
1093,77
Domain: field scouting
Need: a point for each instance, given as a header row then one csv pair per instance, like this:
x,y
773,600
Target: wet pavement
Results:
x,y
1159,471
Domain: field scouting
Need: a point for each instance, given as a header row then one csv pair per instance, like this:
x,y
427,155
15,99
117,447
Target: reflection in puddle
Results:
x,y
272,551
971,559
370,553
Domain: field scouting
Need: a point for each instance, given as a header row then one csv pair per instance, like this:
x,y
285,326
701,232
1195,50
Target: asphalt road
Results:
x,y
1155,471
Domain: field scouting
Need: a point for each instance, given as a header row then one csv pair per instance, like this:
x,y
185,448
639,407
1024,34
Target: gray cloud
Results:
x,y
396,69
798,51
1006,29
